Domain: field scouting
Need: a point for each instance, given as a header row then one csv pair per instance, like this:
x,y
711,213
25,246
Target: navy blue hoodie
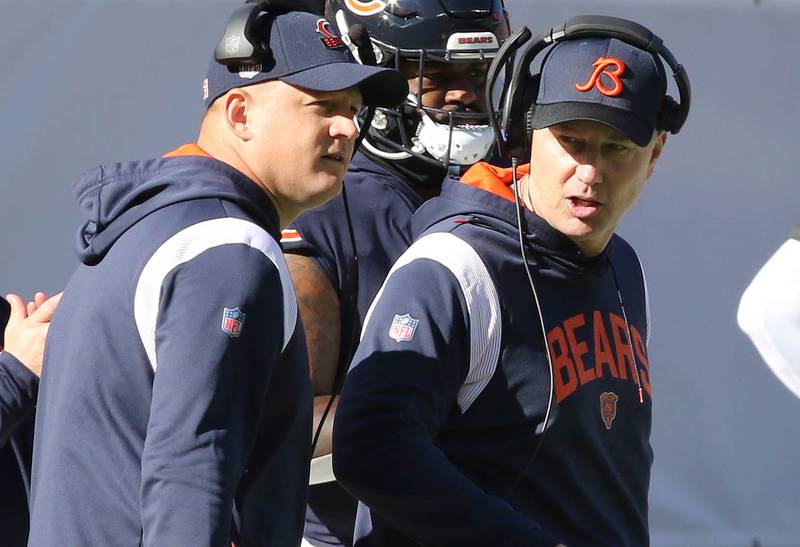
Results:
x,y
176,404
436,427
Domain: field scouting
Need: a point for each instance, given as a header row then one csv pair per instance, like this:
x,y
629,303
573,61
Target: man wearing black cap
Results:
x,y
501,392
179,409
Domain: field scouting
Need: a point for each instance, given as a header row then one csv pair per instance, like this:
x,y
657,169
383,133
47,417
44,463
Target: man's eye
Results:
x,y
615,147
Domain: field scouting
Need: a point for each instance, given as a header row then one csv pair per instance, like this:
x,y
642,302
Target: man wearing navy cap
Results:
x,y
179,409
501,397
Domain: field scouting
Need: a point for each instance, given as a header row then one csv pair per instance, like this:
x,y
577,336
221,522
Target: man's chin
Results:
x,y
329,186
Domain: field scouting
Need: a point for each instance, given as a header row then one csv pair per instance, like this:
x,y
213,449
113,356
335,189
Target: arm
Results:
x,y
398,396
319,307
769,313
18,390
21,359
208,392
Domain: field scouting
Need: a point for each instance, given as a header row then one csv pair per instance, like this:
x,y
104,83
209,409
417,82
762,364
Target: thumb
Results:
x,y
18,309
45,312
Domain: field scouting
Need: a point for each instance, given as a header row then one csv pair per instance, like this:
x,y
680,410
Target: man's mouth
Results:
x,y
334,157
583,207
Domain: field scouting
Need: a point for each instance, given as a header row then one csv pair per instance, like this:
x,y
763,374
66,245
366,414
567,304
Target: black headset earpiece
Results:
x,y
237,45
521,88
529,104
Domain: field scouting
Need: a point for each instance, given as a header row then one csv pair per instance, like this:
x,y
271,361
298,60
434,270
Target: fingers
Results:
x,y
38,299
46,309
18,308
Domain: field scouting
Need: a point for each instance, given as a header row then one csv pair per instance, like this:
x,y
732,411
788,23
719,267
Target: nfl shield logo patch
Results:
x,y
402,328
232,321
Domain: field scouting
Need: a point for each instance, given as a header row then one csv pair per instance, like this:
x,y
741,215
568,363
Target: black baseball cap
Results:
x,y
604,80
306,51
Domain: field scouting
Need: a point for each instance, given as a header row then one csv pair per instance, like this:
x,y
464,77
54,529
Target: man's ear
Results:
x,y
237,110
658,148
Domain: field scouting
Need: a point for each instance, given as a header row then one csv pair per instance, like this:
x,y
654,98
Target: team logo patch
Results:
x,y
608,407
402,328
595,80
329,38
232,321
249,70
365,7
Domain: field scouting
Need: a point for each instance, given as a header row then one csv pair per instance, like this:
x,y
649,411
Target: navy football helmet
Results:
x,y
421,31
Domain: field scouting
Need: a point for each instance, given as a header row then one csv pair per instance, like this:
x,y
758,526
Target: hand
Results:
x,y
26,331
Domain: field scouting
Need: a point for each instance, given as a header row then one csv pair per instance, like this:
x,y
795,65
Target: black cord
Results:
x,y
351,293
541,429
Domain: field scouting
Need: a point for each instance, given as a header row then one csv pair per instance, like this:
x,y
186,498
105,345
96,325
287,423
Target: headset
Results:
x,y
520,89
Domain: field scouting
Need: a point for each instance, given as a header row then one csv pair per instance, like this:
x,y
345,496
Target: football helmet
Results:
x,y
422,31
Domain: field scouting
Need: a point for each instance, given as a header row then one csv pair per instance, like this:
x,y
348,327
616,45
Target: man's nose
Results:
x,y
588,173
344,127
463,92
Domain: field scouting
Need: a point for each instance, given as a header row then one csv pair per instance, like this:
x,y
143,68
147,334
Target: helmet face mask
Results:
x,y
413,36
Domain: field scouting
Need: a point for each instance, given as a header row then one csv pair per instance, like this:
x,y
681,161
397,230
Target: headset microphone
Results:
x,y
360,38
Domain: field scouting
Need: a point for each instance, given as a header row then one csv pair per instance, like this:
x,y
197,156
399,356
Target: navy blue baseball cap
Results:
x,y
604,80
306,51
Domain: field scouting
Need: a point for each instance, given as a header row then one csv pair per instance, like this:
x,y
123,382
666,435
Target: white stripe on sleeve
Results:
x,y
190,243
480,295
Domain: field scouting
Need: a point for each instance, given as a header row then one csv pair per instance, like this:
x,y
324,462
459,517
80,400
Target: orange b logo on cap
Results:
x,y
600,66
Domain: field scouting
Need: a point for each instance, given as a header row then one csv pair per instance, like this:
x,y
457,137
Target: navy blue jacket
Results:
x,y
176,404
435,429
381,205
18,389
